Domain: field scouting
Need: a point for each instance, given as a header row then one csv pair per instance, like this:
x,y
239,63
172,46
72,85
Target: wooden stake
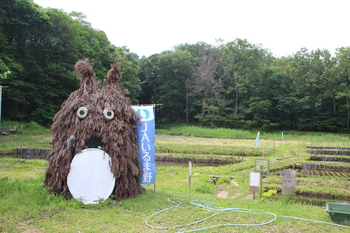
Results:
x,y
189,175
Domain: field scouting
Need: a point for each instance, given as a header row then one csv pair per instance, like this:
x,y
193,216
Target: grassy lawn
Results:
x,y
25,206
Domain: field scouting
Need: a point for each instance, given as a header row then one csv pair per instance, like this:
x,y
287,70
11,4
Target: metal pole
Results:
x,y
0,103
260,188
1,86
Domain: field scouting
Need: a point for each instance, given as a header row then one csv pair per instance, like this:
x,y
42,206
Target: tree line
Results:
x,y
236,84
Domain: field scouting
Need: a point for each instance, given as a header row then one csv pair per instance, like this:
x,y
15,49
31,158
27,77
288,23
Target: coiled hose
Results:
x,y
207,205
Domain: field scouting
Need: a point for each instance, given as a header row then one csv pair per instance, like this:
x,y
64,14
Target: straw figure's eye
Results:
x,y
108,114
82,112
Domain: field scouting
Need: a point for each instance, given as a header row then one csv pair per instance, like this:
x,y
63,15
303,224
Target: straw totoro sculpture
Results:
x,y
96,116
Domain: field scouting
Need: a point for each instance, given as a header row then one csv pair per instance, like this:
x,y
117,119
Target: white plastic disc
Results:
x,y
90,179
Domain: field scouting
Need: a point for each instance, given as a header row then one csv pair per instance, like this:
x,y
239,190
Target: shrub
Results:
x,y
204,188
224,180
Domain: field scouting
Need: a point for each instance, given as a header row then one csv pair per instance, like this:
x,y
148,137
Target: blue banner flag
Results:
x,y
146,141
257,139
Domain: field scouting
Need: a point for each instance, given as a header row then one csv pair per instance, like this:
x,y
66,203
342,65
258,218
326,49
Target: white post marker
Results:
x,y
189,175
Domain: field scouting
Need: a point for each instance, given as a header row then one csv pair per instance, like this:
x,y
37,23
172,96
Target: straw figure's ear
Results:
x,y
87,76
113,76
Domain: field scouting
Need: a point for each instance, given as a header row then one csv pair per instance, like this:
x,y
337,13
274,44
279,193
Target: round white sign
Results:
x,y
90,179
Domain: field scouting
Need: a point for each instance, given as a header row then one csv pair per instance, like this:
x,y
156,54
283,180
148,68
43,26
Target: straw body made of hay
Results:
x,y
118,135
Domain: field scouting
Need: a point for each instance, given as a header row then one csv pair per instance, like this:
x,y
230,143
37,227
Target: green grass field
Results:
x,y
25,206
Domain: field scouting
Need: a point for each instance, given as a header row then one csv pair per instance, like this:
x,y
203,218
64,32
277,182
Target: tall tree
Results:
x,y
148,71
175,77
243,63
309,88
209,86
341,75
206,102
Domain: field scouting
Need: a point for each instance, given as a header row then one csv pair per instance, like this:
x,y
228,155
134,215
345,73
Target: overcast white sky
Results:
x,y
152,26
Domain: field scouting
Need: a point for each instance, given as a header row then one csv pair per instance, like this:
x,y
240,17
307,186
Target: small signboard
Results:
x,y
254,183
262,165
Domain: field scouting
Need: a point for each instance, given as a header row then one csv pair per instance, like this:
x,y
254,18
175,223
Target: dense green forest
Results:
x,y
235,84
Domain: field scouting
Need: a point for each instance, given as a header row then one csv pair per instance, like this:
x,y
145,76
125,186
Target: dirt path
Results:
x,y
249,196
236,195
223,194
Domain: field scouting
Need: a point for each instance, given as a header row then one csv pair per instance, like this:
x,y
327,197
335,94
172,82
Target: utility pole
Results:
x,y
1,87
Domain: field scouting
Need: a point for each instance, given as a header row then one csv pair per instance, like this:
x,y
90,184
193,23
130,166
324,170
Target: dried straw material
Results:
x,y
118,135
